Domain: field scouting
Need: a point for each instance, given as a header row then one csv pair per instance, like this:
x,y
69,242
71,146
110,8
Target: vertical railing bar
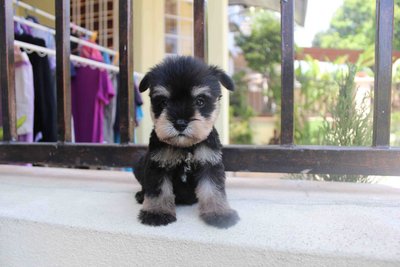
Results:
x,y
287,82
200,29
63,52
7,71
383,72
125,90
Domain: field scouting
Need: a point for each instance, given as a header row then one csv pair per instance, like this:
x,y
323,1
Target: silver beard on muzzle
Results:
x,y
197,130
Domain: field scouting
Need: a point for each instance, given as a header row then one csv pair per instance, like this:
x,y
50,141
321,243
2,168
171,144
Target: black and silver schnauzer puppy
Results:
x,y
183,164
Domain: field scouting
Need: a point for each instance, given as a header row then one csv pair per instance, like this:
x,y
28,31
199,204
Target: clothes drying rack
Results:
x,y
42,51
52,17
77,60
72,38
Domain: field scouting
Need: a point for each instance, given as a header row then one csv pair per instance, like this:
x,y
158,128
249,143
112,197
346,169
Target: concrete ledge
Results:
x,y
65,217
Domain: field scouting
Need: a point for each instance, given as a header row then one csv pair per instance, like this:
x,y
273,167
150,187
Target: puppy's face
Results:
x,y
185,95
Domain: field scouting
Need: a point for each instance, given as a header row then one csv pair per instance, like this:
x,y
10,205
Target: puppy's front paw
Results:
x,y
139,197
225,219
156,219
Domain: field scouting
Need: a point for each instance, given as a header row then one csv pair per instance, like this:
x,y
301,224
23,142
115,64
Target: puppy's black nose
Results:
x,y
181,125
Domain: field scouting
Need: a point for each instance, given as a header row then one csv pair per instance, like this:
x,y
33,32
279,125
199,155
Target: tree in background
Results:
x,y
328,96
261,49
313,97
353,26
240,112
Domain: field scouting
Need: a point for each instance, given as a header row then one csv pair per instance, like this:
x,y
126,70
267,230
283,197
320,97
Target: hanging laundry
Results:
x,y
47,37
137,105
18,28
45,115
91,90
24,94
110,112
49,43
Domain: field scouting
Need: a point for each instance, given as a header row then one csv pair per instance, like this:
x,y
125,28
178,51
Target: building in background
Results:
x,y
161,28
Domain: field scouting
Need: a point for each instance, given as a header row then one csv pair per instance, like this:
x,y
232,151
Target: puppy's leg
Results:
x,y
159,206
139,172
214,207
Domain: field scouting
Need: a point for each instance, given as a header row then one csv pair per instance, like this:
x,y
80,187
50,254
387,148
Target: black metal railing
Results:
x,y
379,159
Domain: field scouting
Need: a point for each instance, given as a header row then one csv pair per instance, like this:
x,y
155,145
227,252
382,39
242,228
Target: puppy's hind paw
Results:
x,y
156,219
224,219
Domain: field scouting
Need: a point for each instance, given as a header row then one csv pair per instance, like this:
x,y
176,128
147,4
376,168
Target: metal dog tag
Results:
x,y
187,167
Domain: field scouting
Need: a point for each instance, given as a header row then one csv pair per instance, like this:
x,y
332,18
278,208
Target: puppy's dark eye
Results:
x,y
163,103
160,102
200,102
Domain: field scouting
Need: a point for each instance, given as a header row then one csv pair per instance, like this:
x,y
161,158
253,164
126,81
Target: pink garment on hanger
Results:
x,y
91,53
91,90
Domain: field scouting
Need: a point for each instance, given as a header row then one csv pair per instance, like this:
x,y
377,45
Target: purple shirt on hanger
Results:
x,y
91,89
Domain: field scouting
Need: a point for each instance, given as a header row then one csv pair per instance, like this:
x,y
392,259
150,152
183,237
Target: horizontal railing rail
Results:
x,y
273,158
378,159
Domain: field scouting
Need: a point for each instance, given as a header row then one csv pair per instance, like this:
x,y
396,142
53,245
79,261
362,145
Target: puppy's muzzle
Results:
x,y
181,125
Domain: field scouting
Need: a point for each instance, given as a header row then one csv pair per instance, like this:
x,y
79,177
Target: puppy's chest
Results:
x,y
172,158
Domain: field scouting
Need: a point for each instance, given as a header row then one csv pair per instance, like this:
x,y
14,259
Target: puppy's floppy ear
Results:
x,y
223,78
144,83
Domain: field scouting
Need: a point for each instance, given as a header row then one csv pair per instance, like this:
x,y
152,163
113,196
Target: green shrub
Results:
x,y
349,123
343,123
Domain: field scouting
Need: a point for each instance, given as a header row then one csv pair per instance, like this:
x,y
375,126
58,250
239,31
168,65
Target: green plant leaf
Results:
x,y
20,122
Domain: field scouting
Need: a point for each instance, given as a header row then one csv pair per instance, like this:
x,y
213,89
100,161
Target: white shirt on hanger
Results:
x,y
24,91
